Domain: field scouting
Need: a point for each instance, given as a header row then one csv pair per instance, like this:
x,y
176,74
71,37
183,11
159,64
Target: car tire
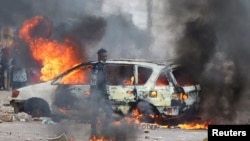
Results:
x,y
37,107
146,110
18,107
189,115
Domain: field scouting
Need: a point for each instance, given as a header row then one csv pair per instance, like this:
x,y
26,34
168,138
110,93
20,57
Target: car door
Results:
x,y
120,83
73,87
144,81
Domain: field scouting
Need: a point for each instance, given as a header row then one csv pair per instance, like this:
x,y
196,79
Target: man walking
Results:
x,y
99,96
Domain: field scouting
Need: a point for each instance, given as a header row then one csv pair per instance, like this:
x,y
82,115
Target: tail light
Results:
x,y
180,96
183,96
15,93
153,94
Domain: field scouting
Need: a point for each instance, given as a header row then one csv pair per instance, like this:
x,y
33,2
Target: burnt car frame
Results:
x,y
154,87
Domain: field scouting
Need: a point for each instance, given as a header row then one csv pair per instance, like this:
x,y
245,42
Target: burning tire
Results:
x,y
37,107
146,111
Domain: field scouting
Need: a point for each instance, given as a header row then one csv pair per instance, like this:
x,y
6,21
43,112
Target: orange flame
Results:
x,y
54,57
62,110
135,117
99,139
129,82
203,125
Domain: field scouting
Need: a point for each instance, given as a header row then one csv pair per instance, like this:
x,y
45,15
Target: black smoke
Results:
x,y
215,44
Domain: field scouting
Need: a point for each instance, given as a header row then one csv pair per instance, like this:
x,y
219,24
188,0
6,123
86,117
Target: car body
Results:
x,y
152,86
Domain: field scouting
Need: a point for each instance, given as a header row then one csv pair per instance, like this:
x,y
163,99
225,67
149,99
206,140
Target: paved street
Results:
x,y
75,131
36,131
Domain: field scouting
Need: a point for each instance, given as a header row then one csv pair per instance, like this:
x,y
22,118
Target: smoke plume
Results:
x,y
214,43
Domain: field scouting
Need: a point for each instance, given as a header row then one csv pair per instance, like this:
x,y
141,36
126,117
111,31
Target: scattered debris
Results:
x,y
148,126
22,116
6,109
6,117
151,126
154,138
48,121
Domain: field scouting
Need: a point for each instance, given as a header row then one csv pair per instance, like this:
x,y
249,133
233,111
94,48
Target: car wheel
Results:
x,y
189,115
18,107
146,110
37,107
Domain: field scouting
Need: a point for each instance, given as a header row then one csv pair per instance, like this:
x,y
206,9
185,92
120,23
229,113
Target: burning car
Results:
x,y
160,88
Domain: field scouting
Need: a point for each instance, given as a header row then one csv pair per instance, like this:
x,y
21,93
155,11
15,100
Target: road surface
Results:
x,y
39,130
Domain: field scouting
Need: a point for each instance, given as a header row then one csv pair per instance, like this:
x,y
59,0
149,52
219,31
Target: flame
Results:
x,y
78,76
193,125
62,110
135,117
100,139
129,82
54,57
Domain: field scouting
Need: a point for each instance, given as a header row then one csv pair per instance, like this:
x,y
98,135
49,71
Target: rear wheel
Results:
x,y
37,107
147,112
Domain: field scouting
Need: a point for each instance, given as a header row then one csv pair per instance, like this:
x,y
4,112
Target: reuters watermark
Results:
x,y
241,132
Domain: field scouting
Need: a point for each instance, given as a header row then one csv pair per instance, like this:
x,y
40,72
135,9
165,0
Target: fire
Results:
x,y
100,139
62,110
193,125
129,82
54,57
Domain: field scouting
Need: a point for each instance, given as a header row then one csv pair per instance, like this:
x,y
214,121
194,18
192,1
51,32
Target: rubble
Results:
x,y
48,121
6,117
23,117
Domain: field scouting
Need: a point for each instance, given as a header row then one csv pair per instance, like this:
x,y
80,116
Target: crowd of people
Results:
x,y
13,74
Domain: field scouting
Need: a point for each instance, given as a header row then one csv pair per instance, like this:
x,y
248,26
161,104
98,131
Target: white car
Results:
x,y
153,87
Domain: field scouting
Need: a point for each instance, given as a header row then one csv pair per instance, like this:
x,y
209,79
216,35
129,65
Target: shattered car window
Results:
x,y
119,74
143,75
162,80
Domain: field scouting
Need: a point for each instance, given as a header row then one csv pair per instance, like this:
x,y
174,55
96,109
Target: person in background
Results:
x,y
7,42
99,95
2,86
19,77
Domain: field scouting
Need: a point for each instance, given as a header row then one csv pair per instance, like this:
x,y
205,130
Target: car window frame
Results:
x,y
57,79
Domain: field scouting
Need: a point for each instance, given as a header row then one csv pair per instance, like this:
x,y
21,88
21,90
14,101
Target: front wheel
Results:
x,y
37,107
18,107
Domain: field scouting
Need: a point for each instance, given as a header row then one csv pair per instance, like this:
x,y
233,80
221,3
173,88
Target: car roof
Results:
x,y
170,64
167,64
